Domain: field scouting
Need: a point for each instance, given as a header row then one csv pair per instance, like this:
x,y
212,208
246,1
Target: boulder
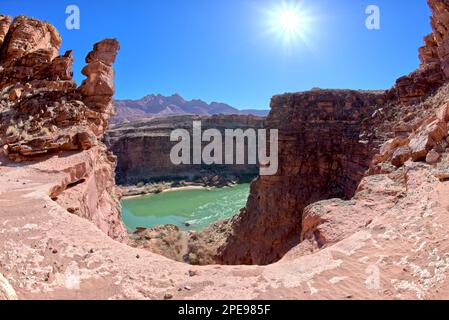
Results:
x,y
391,145
437,130
15,94
400,156
100,80
428,136
104,51
433,157
420,146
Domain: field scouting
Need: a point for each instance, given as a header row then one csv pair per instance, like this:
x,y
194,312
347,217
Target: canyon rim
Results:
x,y
359,207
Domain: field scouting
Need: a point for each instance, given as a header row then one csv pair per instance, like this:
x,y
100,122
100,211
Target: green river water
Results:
x,y
198,208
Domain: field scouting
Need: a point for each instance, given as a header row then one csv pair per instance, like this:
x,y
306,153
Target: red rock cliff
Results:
x,y
143,149
322,154
434,56
328,139
45,116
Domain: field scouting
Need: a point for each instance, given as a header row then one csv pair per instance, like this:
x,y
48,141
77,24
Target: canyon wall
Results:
x,y
434,57
329,139
45,117
322,154
436,49
395,226
143,149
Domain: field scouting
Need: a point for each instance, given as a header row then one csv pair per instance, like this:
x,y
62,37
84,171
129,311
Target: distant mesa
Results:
x,y
155,106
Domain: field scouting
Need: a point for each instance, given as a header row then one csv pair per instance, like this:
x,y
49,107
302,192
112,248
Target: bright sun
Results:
x,y
289,22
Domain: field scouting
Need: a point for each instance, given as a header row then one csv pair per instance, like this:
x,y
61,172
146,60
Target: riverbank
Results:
x,y
206,182
186,224
136,192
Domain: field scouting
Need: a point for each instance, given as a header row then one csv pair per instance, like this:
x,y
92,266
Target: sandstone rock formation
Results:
x,y
426,142
43,115
48,253
385,238
49,113
434,56
440,42
143,149
329,142
324,152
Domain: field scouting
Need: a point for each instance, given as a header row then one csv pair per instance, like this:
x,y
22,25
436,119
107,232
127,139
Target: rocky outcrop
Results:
x,y
48,112
97,90
427,144
328,222
26,36
323,153
434,56
143,149
192,247
416,86
355,162
401,164
88,189
440,42
44,115
329,142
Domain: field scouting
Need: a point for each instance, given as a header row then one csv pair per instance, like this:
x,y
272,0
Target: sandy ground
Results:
x,y
170,190
48,253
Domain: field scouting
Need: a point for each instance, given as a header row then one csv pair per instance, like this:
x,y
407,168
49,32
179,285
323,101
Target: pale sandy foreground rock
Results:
x,y
6,291
400,251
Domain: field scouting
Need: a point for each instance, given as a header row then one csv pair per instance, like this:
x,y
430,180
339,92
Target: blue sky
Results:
x,y
220,50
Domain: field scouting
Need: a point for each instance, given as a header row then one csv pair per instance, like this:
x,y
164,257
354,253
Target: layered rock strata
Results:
x,y
48,253
389,241
43,115
434,56
331,140
143,149
324,152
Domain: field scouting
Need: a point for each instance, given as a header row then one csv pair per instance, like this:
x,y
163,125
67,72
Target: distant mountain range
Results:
x,y
156,106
